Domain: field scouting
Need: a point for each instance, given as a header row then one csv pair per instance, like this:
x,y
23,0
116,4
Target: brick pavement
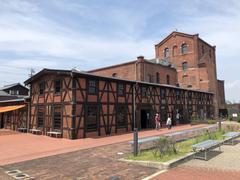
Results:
x,y
197,173
102,163
89,164
22,146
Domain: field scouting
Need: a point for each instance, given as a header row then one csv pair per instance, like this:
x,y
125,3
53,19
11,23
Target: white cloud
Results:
x,y
40,40
232,90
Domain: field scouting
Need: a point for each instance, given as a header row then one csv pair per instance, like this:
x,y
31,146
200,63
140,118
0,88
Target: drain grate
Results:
x,y
17,174
114,178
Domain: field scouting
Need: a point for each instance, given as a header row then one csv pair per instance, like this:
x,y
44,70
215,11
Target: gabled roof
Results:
x,y
153,61
176,33
3,93
74,72
45,71
12,85
184,35
113,66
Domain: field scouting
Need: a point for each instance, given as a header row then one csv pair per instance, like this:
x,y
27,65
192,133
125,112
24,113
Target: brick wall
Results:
x,y
200,72
141,70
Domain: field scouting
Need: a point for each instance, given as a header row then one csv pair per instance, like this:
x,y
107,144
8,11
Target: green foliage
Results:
x,y
238,119
167,149
211,121
229,127
164,146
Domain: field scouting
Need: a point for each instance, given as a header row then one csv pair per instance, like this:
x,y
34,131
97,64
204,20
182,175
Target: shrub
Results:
x,y
238,119
164,146
210,121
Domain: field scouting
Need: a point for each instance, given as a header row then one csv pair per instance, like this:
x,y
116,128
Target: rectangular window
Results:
x,y
184,66
192,79
189,95
120,89
57,86
163,93
168,79
144,91
14,92
40,116
157,78
41,88
121,116
149,78
8,116
177,94
91,120
92,87
57,117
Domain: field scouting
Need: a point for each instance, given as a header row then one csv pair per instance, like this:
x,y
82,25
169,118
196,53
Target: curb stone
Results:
x,y
162,165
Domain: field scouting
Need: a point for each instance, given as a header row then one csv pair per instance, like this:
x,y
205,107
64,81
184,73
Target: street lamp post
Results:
x,y
135,134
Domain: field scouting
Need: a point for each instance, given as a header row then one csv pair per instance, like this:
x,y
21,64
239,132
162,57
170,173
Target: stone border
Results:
x,y
165,165
162,165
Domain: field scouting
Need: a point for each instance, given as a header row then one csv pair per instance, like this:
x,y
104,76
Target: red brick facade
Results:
x,y
87,105
221,95
195,62
141,70
192,65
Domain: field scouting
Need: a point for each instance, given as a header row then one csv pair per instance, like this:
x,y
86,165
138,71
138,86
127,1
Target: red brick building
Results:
x,y
121,97
77,105
181,59
195,62
141,70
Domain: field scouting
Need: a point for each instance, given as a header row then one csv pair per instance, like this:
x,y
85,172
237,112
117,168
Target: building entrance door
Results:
x,y
145,119
1,121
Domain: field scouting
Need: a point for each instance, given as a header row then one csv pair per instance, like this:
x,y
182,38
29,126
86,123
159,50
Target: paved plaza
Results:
x,y
43,157
220,166
20,147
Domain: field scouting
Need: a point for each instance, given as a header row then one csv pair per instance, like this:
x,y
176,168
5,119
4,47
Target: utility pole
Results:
x,y
32,72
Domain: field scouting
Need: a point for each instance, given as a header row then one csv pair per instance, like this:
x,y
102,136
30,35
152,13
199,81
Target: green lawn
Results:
x,y
182,148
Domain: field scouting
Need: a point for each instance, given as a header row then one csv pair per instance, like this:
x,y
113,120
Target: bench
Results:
x,y
205,146
144,140
22,129
35,131
230,136
56,133
185,134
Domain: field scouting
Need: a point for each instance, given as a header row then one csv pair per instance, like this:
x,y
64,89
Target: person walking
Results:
x,y
169,122
177,117
157,121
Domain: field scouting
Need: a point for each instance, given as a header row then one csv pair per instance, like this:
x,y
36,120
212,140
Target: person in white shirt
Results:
x,y
177,117
169,122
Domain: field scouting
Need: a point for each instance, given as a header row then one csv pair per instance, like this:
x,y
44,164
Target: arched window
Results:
x,y
168,79
166,52
175,53
184,66
184,48
157,77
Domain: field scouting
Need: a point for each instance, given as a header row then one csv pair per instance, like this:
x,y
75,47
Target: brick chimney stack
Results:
x,y
140,58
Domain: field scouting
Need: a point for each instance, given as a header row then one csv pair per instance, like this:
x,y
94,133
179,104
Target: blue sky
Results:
x,y
87,34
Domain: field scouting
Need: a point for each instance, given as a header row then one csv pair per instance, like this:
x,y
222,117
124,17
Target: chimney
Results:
x,y
140,58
